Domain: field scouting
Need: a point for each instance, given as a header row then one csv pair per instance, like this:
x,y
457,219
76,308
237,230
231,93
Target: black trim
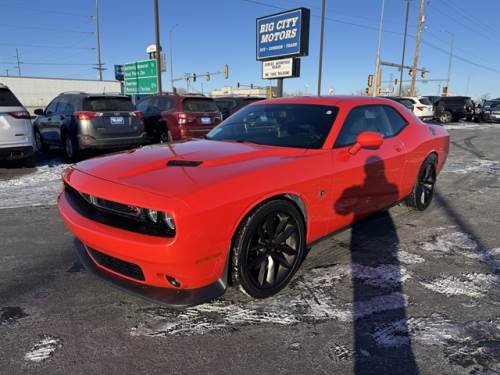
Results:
x,y
84,208
171,297
183,163
114,264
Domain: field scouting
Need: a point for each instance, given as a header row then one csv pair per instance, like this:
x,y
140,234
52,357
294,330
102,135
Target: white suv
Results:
x,y
16,131
422,107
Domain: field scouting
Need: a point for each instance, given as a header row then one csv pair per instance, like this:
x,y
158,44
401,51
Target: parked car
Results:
x,y
16,131
422,107
176,222
80,121
406,102
454,108
230,104
488,111
173,117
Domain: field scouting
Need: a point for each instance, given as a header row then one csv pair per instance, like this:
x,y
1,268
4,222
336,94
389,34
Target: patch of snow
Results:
x,y
473,285
43,350
409,258
490,167
468,125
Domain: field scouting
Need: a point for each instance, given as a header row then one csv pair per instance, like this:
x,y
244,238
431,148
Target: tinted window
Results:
x,y
199,105
425,101
65,106
143,106
8,99
165,104
225,105
287,125
375,118
102,103
51,108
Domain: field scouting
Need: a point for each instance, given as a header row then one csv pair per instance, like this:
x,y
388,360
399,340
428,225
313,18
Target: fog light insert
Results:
x,y
173,281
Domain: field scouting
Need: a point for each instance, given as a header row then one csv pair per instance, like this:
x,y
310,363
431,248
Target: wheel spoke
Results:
x,y
255,263
282,224
262,273
271,270
269,226
283,236
288,250
281,259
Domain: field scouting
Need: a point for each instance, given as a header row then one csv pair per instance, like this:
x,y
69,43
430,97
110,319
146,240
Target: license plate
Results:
x,y
496,116
206,120
117,121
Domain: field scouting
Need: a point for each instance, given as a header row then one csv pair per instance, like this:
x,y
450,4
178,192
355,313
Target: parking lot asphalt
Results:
x,y
419,296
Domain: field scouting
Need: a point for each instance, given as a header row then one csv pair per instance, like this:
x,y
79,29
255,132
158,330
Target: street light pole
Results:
x,y
320,67
449,62
404,48
18,62
377,61
171,57
98,41
157,42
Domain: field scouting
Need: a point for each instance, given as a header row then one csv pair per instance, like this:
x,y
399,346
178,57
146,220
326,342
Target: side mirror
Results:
x,y
371,140
38,112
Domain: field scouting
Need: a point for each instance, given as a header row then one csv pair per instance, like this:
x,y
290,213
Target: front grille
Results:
x,y
117,265
113,214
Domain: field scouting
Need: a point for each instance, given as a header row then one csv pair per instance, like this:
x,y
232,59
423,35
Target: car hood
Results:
x,y
179,168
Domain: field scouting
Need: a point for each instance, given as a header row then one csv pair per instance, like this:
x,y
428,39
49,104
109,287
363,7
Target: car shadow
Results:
x,y
375,242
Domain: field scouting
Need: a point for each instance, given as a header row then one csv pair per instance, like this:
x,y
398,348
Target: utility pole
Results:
x,y
404,48
449,62
421,20
171,57
377,61
98,41
158,50
320,67
18,62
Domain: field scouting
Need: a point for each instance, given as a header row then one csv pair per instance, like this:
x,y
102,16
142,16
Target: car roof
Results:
x,y
240,97
329,100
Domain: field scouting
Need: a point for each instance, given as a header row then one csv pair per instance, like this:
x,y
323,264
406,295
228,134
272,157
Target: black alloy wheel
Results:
x,y
269,248
423,190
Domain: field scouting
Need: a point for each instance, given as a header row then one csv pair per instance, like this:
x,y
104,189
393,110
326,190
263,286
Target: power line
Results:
x,y
40,10
45,46
44,63
45,29
475,21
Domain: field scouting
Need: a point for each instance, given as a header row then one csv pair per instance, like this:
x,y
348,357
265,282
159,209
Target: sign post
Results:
x,y
281,38
140,77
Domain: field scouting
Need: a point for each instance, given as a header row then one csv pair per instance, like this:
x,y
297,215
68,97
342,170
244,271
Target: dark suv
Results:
x,y
171,117
78,121
454,108
231,104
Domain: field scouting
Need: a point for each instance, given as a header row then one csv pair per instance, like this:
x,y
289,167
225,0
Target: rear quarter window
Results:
x,y
199,105
97,104
8,99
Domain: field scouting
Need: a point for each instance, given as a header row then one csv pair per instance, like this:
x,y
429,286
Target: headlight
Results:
x,y
169,220
161,217
153,215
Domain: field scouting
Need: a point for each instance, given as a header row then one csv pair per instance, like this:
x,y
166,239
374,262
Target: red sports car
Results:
x,y
178,222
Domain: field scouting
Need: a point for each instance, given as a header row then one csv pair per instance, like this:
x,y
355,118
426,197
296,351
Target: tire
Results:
x,y
445,117
268,249
70,146
39,143
423,191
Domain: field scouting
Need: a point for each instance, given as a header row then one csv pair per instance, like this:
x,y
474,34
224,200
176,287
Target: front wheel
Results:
x,y
70,147
268,249
445,117
423,191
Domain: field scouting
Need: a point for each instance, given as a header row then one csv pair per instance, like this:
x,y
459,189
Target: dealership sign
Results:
x,y
282,68
283,34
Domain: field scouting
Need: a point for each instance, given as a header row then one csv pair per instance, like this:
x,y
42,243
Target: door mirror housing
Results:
x,y
38,112
370,140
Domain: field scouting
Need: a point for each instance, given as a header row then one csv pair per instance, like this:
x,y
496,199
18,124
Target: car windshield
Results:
x,y
200,105
491,104
285,125
100,103
7,99
425,101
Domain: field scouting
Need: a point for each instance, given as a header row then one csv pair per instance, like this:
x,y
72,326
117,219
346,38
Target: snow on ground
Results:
x,y
34,189
44,349
473,166
473,285
470,125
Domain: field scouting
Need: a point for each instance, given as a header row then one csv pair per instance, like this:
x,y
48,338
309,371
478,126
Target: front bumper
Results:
x,y
176,298
16,153
86,142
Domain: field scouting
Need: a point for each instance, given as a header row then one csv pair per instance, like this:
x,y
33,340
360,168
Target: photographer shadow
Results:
x,y
378,301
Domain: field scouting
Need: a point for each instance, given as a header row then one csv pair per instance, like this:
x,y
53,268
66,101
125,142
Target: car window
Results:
x,y
286,125
199,105
110,103
225,105
375,118
143,105
165,103
65,107
425,101
52,107
8,99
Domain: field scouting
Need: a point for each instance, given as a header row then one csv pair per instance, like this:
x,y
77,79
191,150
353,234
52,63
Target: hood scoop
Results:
x,y
183,163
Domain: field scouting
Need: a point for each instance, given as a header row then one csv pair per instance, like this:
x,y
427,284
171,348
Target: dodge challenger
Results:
x,y
179,222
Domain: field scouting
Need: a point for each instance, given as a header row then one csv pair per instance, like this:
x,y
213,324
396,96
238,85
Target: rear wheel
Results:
x,y
70,147
39,143
423,191
268,249
445,117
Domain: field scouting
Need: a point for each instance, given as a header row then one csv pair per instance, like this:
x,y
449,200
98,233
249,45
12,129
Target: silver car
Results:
x,y
16,131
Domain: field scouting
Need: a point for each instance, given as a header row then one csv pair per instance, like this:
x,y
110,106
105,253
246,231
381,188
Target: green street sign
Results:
x,y
140,77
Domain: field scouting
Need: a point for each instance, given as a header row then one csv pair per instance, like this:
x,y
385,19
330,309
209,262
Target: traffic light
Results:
x,y
370,80
410,72
423,73
238,85
367,91
207,76
396,81
226,71
194,77
445,90
251,85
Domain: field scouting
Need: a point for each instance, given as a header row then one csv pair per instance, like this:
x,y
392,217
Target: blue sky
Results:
x,y
212,33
